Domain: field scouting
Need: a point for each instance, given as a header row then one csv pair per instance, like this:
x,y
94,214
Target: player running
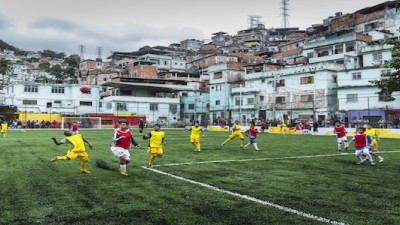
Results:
x,y
76,149
4,128
252,134
375,137
157,139
340,132
142,124
195,136
121,144
362,142
237,133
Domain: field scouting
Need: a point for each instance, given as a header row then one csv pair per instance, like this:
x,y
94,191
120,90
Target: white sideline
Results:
x,y
283,208
265,159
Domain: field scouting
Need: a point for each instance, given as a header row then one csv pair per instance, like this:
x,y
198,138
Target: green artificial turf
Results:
x,y
331,186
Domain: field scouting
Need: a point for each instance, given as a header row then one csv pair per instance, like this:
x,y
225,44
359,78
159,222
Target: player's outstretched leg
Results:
x,y
83,166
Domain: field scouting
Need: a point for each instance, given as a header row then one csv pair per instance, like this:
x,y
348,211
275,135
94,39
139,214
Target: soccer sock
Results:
x,y
227,140
123,167
255,145
368,157
62,158
241,143
247,145
152,157
359,158
340,146
83,165
198,145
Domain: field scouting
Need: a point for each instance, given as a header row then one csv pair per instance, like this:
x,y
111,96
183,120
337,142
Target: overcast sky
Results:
x,y
126,25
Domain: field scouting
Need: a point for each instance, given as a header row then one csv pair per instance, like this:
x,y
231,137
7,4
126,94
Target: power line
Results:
x,y
285,13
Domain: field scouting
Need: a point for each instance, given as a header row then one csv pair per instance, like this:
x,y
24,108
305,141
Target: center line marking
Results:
x,y
283,208
265,159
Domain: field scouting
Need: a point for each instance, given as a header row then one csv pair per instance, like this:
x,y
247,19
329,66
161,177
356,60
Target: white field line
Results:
x,y
283,208
23,131
265,159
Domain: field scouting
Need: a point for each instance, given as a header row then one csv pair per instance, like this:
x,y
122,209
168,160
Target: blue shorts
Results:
x,y
252,139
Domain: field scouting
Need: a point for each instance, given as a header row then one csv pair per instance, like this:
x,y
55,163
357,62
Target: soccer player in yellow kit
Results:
x,y
237,133
157,139
4,128
375,136
76,145
195,136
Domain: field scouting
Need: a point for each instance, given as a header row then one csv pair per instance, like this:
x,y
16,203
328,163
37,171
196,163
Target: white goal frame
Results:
x,y
83,122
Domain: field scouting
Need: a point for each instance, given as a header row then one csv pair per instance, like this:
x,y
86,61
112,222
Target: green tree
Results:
x,y
57,71
44,66
52,54
69,72
146,47
5,68
390,82
73,61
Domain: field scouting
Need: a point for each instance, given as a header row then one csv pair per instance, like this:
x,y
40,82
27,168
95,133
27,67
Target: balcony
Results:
x,y
332,57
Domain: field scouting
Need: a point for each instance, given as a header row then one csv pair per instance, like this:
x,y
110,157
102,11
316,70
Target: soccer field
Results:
x,y
292,180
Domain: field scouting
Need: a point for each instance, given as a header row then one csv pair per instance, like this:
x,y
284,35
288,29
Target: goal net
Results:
x,y
83,122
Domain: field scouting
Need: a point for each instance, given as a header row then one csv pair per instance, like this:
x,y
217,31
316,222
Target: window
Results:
x,y
31,88
173,109
126,92
57,101
121,106
184,94
250,101
382,97
57,90
217,75
217,102
263,80
307,98
334,79
108,105
153,107
357,76
238,101
280,99
307,80
85,103
352,97
377,56
385,72
280,83
310,55
218,87
191,106
262,98
29,102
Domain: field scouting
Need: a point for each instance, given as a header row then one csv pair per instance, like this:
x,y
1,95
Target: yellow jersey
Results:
x,y
156,139
196,132
371,132
237,129
75,143
4,127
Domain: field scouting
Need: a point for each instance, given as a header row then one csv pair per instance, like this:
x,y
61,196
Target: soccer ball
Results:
x,y
85,89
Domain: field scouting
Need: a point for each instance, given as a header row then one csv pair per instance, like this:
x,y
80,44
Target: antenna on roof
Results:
x,y
81,51
285,13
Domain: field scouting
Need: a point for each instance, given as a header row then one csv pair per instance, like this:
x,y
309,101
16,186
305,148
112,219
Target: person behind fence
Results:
x,y
75,128
196,131
142,124
236,133
4,128
157,140
120,146
362,142
76,149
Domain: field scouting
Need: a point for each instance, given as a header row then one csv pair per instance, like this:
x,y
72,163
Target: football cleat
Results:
x,y
124,173
381,159
360,162
53,159
149,166
84,171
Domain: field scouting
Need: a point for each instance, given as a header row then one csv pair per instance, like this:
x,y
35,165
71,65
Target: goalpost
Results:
x,y
83,122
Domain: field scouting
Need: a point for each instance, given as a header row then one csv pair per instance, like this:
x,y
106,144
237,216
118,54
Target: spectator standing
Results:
x,y
381,123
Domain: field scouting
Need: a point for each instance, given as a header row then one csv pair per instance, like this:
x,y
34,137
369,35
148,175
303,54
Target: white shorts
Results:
x,y
305,131
75,132
362,151
119,152
340,140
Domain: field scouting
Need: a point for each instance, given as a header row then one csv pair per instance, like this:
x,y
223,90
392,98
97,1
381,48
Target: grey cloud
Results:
x,y
5,23
66,36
